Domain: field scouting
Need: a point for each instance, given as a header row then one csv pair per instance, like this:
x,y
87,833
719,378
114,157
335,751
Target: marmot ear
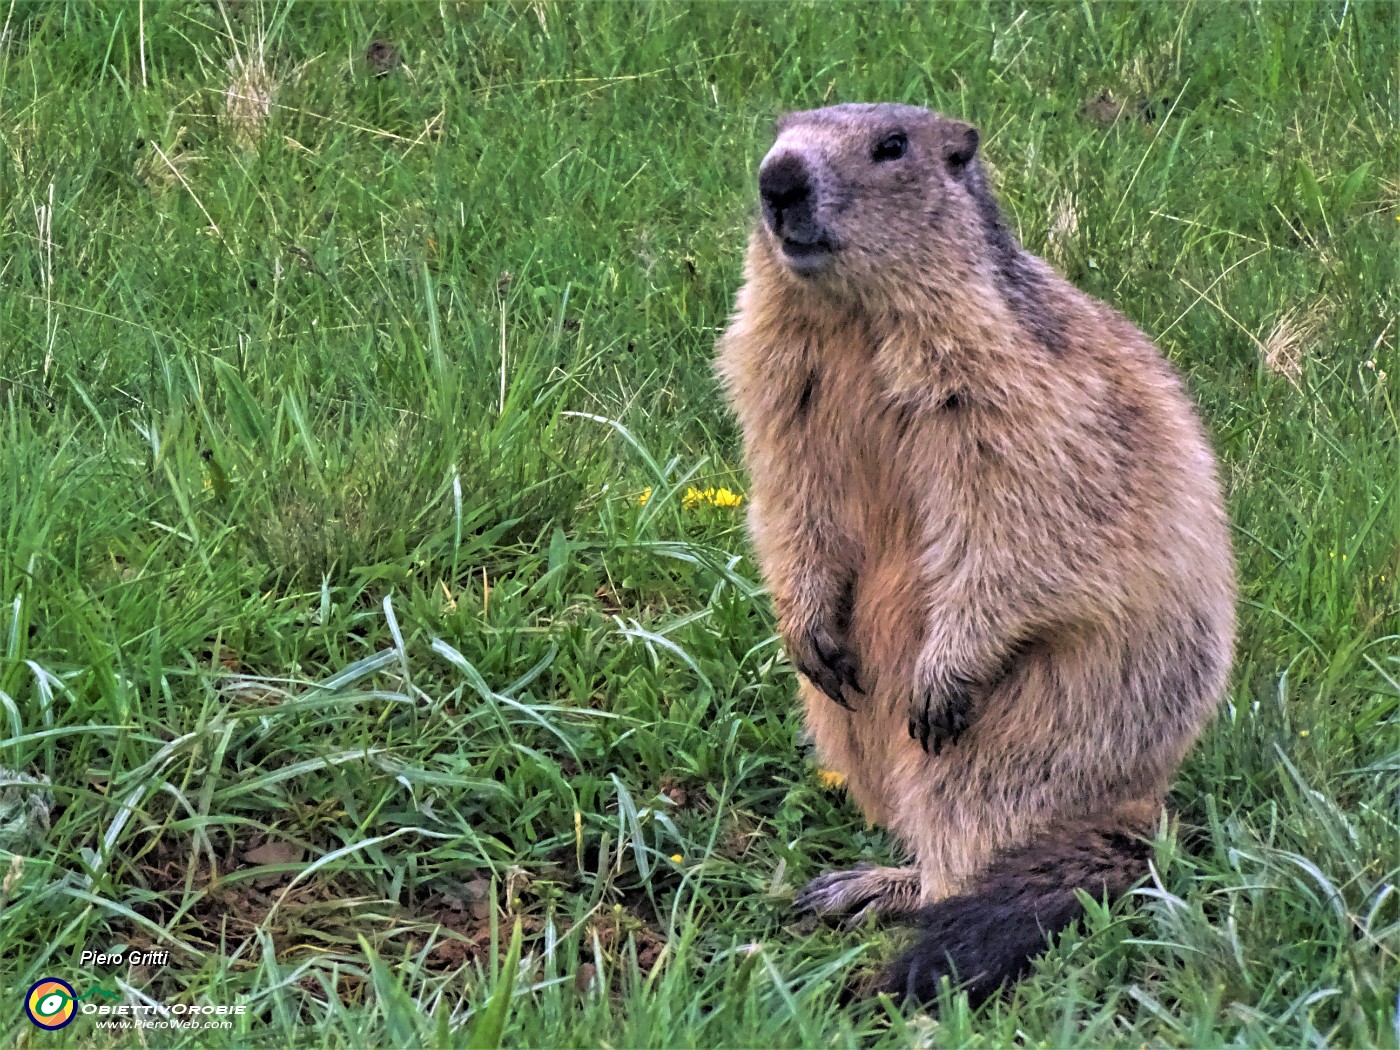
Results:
x,y
962,147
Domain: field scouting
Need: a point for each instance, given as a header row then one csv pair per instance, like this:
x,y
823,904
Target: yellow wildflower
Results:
x,y
714,497
676,858
646,495
831,780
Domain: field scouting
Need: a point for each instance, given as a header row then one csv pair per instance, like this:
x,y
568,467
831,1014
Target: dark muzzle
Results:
x,y
789,201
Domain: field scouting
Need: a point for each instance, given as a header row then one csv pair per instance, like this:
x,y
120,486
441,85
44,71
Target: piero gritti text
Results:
x,y
135,957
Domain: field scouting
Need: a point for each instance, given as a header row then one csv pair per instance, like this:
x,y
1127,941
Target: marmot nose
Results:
x,y
786,187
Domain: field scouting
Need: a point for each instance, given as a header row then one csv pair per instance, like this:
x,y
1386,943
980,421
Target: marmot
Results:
x,y
992,529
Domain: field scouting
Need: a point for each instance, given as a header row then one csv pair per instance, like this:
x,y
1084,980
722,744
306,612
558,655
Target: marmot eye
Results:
x,y
891,147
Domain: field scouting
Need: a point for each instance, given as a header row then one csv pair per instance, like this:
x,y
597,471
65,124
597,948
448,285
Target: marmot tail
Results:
x,y
988,936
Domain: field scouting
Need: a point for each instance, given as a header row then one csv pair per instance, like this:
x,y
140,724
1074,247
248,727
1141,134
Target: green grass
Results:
x,y
330,611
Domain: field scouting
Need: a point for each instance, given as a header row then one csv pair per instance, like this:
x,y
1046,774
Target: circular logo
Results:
x,y
51,1003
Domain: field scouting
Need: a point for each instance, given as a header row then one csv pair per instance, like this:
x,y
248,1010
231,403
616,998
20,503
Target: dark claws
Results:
x,y
941,716
828,684
834,891
826,679
833,670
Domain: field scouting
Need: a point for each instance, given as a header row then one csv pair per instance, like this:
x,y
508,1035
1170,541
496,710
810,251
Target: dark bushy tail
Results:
x,y
984,938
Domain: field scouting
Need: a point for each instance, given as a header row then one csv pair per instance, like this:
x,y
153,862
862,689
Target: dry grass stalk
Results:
x,y
1288,343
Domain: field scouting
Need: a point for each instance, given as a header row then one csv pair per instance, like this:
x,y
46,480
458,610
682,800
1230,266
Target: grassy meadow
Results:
x,y
373,579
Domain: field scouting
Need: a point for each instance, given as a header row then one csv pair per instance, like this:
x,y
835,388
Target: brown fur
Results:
x,y
987,513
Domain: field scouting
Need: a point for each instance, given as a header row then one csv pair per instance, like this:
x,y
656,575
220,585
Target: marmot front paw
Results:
x,y
819,657
940,713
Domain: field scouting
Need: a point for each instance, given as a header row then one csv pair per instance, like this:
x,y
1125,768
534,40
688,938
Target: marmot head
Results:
x,y
861,196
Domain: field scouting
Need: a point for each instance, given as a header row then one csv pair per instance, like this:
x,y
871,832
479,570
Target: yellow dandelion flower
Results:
x,y
646,495
831,780
676,858
694,497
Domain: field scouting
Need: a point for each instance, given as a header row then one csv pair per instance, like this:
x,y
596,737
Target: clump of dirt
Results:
x,y
220,905
741,832
465,921
615,927
245,892
1105,109
608,602
217,904
686,794
383,57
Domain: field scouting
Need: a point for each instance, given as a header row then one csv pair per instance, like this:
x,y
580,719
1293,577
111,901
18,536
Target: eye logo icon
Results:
x,y
51,1003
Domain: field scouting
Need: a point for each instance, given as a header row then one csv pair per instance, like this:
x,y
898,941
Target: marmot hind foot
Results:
x,y
862,892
